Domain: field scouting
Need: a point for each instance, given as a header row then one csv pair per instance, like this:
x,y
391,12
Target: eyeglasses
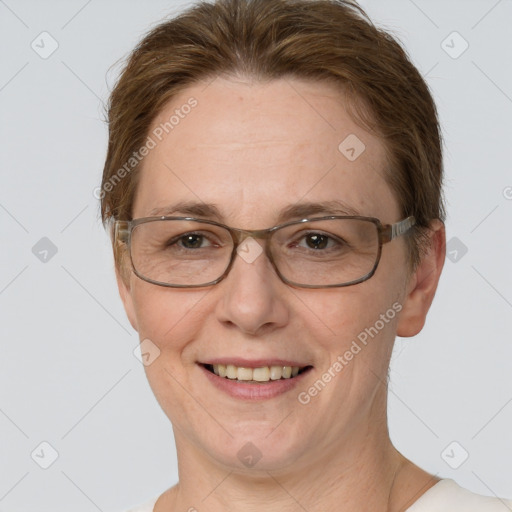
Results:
x,y
321,252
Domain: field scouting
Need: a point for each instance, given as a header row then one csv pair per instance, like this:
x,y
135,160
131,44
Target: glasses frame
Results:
x,y
386,232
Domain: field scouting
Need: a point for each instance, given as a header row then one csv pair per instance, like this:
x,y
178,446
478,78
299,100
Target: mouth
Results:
x,y
256,375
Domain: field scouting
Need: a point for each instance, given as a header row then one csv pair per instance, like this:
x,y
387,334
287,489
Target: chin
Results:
x,y
258,451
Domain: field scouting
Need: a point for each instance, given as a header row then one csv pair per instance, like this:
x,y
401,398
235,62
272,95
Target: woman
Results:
x,y
273,187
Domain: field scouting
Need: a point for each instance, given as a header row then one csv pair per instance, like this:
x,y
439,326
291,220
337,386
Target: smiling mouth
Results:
x,y
256,375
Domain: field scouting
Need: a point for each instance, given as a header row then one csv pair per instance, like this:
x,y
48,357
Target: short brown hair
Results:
x,y
319,40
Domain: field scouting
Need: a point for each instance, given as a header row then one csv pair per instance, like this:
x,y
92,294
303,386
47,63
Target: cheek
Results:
x,y
355,326
168,317
345,312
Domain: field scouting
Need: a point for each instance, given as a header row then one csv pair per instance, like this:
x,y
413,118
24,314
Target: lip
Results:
x,y
253,392
253,363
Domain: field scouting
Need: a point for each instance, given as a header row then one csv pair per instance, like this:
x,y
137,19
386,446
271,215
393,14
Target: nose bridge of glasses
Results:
x,y
242,234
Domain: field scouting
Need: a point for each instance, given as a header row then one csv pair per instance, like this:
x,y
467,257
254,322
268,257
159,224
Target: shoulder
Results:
x,y
448,496
146,507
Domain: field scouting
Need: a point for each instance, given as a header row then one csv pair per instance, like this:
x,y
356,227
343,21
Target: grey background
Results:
x,y
68,375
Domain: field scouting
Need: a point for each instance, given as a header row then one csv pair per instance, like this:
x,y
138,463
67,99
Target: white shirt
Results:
x,y
445,496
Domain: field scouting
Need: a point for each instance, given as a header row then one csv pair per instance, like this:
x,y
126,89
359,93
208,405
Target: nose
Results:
x,y
252,297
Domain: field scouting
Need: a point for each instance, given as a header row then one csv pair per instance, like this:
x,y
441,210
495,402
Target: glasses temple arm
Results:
x,y
397,229
121,230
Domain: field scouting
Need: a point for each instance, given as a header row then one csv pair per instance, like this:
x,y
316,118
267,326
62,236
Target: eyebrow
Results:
x,y
188,208
306,209
295,211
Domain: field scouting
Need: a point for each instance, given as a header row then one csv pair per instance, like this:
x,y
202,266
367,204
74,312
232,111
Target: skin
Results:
x,y
254,149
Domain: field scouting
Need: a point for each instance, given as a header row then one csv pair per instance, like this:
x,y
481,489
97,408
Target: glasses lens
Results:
x,y
178,252
326,252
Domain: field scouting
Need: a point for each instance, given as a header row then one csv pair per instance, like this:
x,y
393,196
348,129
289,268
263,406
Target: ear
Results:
x,y
123,284
422,284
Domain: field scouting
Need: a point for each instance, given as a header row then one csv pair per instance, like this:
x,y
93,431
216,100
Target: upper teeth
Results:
x,y
263,374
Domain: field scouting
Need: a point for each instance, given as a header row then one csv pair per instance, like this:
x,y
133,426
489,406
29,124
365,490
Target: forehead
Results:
x,y
253,149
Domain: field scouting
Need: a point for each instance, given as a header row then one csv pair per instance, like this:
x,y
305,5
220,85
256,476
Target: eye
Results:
x,y
191,241
317,241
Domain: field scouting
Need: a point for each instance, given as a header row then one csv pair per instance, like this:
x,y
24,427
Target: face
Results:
x,y
253,150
